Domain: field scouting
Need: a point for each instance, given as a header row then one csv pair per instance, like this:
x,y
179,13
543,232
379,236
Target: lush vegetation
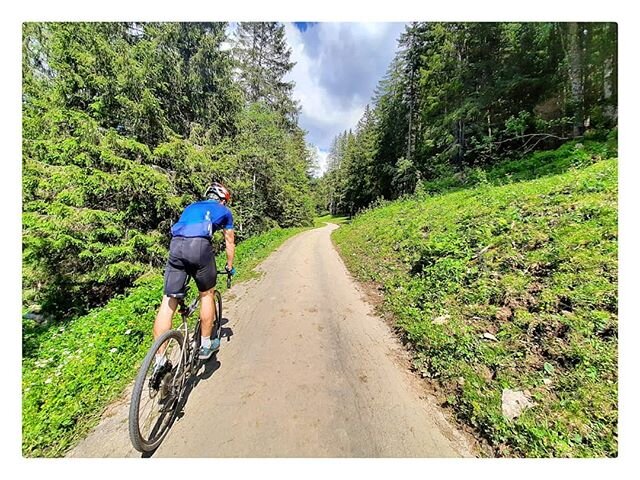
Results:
x,y
497,254
460,95
126,123
504,280
498,257
70,372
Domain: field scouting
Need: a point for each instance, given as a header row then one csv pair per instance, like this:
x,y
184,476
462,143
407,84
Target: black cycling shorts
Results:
x,y
189,256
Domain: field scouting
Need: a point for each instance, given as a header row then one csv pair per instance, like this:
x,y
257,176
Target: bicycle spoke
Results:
x,y
157,404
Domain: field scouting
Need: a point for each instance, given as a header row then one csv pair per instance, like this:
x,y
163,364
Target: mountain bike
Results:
x,y
158,392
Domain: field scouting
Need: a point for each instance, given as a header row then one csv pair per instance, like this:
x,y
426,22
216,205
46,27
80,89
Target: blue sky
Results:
x,y
338,66
302,26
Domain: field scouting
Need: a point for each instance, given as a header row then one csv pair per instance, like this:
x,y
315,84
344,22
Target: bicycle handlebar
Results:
x,y
228,274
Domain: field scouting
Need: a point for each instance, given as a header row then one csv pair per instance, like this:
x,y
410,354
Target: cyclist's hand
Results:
x,y
231,271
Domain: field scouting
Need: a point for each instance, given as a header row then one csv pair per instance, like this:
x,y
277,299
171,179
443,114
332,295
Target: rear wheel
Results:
x,y
155,394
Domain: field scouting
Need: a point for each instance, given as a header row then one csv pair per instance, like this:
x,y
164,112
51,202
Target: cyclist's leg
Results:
x,y
209,344
165,316
162,324
205,278
175,279
207,311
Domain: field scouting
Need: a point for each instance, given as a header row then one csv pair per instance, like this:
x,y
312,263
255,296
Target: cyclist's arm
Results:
x,y
230,248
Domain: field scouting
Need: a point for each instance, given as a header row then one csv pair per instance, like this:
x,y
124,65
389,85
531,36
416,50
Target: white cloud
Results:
x,y
322,157
231,29
337,68
318,104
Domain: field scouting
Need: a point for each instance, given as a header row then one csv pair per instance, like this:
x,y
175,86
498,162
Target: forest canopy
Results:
x,y
459,96
124,124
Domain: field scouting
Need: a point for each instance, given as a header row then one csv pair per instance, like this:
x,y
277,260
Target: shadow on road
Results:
x,y
225,332
206,370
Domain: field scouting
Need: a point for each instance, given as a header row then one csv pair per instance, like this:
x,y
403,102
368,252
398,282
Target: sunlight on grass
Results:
x,y
532,263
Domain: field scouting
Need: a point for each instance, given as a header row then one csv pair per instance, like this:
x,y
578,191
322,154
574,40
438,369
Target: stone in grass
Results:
x,y
442,319
488,336
514,402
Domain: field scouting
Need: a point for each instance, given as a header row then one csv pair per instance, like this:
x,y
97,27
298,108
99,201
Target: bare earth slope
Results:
x,y
306,370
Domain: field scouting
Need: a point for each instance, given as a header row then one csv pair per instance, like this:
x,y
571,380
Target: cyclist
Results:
x,y
191,254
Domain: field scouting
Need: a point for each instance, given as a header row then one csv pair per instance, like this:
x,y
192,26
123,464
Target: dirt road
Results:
x,y
306,370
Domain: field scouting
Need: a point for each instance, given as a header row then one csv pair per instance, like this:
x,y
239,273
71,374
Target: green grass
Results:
x,y
321,221
572,155
73,371
532,262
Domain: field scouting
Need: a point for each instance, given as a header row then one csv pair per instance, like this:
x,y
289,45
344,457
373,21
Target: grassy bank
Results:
x,y
511,286
73,372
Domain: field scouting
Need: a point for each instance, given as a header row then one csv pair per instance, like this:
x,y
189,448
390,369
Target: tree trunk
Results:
x,y
410,123
610,72
576,76
412,95
461,141
489,128
610,110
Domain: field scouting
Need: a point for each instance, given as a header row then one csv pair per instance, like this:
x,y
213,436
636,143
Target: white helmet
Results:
x,y
219,191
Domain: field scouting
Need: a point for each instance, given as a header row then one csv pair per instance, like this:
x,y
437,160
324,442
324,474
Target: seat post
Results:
x,y
182,307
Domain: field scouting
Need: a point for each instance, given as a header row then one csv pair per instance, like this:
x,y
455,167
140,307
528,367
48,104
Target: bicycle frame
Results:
x,y
189,351
187,360
176,388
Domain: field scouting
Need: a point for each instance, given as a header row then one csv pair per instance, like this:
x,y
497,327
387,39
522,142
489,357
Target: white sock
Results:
x,y
205,341
160,359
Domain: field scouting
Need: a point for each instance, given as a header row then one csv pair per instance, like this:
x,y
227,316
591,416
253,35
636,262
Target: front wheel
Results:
x,y
217,326
155,394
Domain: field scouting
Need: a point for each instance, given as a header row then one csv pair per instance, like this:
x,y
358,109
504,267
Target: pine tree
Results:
x,y
123,125
264,60
575,70
461,95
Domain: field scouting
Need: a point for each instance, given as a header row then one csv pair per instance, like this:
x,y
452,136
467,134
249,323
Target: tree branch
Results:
x,y
531,135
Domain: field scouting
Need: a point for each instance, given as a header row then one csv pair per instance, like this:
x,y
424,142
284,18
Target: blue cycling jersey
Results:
x,y
201,219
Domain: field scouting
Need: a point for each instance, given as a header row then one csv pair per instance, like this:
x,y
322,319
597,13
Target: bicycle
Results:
x,y
157,393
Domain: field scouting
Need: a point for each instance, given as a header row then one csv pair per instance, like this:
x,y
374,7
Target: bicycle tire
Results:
x,y
195,362
137,438
217,327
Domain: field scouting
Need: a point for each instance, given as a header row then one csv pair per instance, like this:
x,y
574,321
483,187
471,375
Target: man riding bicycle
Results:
x,y
191,255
